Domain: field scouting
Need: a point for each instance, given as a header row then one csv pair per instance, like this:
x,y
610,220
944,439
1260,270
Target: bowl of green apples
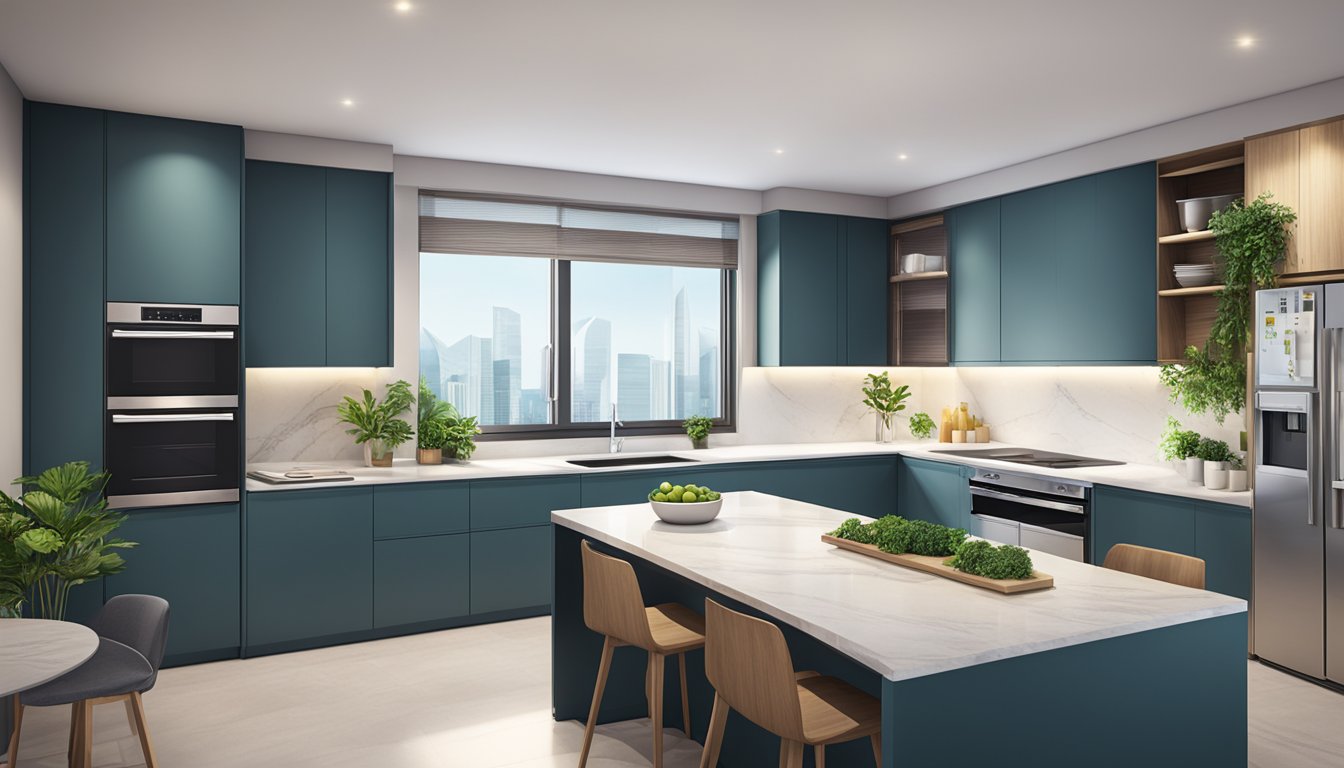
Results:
x,y
688,504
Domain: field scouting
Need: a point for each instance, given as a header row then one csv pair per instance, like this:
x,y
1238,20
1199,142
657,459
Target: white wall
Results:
x,y
1283,110
11,280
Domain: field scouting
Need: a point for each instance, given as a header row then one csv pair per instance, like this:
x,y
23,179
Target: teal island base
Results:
x,y
1174,696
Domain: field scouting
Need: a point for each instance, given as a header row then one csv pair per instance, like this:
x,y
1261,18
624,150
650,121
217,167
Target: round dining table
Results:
x,y
33,651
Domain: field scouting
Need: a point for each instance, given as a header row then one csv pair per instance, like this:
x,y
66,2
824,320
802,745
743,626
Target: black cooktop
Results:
x,y
1030,457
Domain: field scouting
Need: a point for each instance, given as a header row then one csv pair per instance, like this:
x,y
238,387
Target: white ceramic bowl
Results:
x,y
686,514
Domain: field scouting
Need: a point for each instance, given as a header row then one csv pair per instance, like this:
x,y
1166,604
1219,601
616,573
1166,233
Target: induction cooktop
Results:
x,y
1029,457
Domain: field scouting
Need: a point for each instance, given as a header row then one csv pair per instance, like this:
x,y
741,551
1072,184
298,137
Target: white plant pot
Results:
x,y
1215,475
1194,470
1238,479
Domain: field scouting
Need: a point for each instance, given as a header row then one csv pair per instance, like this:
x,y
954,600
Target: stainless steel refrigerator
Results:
x,y
1298,595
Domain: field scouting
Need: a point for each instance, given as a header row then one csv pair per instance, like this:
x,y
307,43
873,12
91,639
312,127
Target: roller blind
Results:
x,y
517,227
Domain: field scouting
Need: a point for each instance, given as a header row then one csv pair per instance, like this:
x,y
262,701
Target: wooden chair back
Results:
x,y
612,603
748,663
1158,564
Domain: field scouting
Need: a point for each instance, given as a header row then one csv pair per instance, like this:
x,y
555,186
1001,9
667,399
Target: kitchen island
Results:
x,y
1104,669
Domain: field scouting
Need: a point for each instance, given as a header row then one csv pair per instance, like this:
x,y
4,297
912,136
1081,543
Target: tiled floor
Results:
x,y
477,697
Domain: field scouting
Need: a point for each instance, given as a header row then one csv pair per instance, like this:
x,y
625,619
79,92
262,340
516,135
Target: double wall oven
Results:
x,y
172,432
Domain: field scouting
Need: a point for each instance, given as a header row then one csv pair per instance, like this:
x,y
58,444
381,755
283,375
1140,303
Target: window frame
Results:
x,y
561,385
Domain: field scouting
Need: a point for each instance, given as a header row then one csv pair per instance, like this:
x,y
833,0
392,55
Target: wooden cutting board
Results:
x,y
938,567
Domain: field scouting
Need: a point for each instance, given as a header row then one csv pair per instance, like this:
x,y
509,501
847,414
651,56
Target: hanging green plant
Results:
x,y
1251,239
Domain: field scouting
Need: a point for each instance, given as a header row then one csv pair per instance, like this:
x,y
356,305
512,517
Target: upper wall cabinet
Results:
x,y
319,266
1304,169
174,210
822,296
1060,274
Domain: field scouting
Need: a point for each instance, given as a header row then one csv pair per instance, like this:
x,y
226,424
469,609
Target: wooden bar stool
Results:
x,y
1157,564
614,607
748,663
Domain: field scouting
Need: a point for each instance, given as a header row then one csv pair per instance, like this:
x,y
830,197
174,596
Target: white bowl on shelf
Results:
x,y
1194,281
683,513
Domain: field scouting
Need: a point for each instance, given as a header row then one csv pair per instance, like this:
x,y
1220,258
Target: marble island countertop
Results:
x,y
1142,477
766,551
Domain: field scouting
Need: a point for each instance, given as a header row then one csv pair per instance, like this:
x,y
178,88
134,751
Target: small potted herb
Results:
x,y
1238,479
1181,445
697,428
885,401
1216,456
378,426
921,426
431,429
461,440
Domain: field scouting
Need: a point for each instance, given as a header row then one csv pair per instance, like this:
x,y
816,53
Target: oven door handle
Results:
x,y
163,418
1028,500
120,334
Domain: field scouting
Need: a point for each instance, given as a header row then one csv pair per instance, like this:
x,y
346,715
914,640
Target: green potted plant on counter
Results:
x,y
1216,455
461,433
431,428
1238,479
56,535
378,426
885,401
921,426
1181,446
698,428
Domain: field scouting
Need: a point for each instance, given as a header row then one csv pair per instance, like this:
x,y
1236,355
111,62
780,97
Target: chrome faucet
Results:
x,y
616,442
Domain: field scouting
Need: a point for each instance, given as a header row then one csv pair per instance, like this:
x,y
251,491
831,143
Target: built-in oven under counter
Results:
x,y
1044,514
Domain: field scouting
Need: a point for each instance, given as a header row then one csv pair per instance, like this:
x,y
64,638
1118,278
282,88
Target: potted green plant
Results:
x,y
1180,446
57,534
460,441
921,426
884,401
431,428
378,426
698,428
1216,455
1251,239
1238,479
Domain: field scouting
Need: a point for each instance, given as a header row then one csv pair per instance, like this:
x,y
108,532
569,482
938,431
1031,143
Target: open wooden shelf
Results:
x,y
1186,237
906,277
1213,166
1199,290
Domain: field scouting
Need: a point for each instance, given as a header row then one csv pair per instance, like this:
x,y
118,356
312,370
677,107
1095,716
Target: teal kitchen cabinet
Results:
x,y
1031,227
420,509
421,579
1122,516
190,557
309,564
286,249
934,491
511,570
174,210
515,502
974,275
63,302
821,289
1223,540
318,266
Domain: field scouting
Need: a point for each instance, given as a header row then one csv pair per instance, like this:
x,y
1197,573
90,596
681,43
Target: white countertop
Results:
x,y
1141,477
766,551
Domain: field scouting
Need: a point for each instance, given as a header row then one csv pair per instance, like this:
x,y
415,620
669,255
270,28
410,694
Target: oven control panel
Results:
x,y
171,314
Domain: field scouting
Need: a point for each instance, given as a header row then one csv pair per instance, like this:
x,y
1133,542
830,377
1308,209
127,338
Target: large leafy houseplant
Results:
x,y
885,401
56,535
1251,239
431,429
378,426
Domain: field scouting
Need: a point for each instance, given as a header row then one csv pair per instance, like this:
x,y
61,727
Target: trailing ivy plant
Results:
x,y
1251,239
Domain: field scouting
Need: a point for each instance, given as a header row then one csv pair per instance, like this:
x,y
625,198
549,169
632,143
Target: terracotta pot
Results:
x,y
429,455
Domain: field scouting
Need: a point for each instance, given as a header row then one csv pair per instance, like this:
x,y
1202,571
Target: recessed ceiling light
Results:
x,y
1245,41
779,150
347,102
403,7
902,156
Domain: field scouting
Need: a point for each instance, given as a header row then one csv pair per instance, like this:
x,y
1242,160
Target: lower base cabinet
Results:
x,y
1223,539
510,569
935,492
190,557
421,579
309,564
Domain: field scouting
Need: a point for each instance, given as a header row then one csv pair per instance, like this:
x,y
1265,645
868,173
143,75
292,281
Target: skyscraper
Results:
x,y
470,364
708,394
684,394
507,368
660,389
591,370
634,393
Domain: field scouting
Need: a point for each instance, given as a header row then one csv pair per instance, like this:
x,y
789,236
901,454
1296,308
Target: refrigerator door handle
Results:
x,y
1329,421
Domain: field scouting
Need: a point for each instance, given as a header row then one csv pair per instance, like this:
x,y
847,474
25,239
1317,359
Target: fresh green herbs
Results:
x,y
1214,450
1177,444
981,558
898,536
921,426
697,428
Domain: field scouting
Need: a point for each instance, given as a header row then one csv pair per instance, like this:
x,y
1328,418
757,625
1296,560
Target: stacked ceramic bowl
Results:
x,y
1193,275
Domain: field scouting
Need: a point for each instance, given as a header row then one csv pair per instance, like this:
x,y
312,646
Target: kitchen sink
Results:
x,y
630,461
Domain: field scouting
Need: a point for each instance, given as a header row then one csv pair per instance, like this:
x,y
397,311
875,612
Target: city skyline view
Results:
x,y
646,337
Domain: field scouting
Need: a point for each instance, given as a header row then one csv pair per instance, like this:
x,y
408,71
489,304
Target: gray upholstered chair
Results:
x,y
132,632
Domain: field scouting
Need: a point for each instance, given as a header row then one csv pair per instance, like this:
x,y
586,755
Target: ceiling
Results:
x,y
753,94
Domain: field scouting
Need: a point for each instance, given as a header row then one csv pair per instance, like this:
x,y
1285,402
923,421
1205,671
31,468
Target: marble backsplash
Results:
x,y
1115,412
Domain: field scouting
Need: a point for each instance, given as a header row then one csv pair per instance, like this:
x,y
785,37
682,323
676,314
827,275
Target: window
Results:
x,y
539,317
